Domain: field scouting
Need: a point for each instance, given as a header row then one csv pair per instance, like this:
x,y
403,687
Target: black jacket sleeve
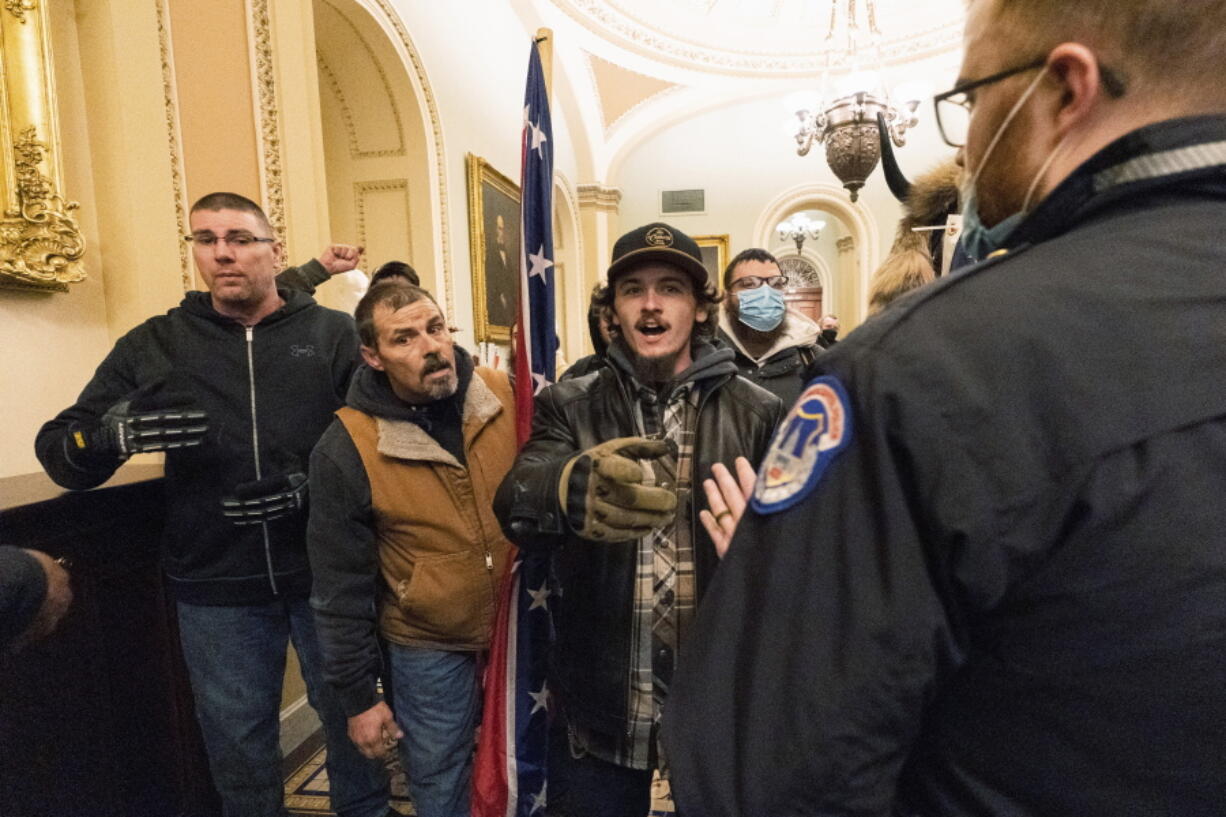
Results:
x,y
305,278
528,504
116,377
804,681
342,549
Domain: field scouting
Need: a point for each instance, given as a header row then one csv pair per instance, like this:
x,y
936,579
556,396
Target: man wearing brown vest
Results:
x,y
403,540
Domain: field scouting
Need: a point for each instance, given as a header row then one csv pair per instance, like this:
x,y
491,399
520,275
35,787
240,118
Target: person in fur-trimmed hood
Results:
x,y
915,257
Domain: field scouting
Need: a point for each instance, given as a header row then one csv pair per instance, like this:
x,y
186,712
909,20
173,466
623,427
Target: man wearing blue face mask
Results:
x,y
773,344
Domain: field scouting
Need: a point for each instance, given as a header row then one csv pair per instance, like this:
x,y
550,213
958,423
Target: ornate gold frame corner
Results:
x,y
480,172
41,245
720,242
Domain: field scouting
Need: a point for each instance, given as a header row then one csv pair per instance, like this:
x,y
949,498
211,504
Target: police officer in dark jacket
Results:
x,y
984,572
610,484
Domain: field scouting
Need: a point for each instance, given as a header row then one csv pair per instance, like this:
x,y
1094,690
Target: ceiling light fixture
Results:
x,y
848,124
798,228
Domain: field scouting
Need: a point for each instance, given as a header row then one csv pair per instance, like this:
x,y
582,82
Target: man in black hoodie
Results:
x,y
607,484
236,385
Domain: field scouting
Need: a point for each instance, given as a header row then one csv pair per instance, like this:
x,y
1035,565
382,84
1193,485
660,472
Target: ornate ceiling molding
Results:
x,y
639,36
598,197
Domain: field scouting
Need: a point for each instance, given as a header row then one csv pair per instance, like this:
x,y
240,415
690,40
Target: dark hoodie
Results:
x,y
269,390
371,393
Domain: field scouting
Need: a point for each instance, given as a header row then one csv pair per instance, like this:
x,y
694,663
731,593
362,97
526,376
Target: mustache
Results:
x,y
435,363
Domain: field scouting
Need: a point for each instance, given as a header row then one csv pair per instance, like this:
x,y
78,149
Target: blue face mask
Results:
x,y
979,241
761,308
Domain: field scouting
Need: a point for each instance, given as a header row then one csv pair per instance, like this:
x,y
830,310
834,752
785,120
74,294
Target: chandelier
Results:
x,y
798,228
848,123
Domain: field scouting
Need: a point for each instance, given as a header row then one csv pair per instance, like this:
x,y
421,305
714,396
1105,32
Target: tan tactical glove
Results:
x,y
602,493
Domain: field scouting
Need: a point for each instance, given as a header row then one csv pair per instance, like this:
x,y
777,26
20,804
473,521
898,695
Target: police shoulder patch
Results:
x,y
816,429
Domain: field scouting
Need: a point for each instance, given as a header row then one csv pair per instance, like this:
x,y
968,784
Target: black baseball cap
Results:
x,y
658,242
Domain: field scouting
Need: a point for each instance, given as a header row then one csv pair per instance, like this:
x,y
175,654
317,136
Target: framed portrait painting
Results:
x,y
714,250
493,232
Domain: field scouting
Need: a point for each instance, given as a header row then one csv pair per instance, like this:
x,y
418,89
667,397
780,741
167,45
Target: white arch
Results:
x,y
834,200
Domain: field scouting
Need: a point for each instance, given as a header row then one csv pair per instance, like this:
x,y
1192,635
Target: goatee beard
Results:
x,y
650,371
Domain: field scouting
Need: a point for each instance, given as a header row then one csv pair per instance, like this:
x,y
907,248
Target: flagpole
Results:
x,y
544,47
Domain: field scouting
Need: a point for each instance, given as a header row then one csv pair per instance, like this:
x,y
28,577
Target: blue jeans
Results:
x,y
236,661
436,701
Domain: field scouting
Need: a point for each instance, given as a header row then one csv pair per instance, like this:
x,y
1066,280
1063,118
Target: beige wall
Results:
x,y
214,86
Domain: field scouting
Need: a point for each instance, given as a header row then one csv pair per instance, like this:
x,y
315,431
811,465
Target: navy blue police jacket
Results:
x,y
1006,593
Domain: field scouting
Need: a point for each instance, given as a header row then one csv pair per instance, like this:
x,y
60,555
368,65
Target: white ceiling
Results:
x,y
768,38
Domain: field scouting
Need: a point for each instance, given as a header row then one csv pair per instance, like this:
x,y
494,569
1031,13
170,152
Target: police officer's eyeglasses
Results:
x,y
953,108
755,281
237,239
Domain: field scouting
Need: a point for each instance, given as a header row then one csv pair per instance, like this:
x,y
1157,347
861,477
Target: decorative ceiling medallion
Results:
x,y
927,38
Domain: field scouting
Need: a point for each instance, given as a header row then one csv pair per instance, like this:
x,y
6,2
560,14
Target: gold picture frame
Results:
x,y
714,261
40,241
493,240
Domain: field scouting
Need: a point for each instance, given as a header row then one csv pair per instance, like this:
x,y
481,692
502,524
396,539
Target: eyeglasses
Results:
x,y
237,240
755,281
953,108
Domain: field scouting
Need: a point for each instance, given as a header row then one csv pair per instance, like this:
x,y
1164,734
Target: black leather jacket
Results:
x,y
592,617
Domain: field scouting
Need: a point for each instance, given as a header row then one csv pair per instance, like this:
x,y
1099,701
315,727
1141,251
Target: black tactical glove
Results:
x,y
603,495
263,500
152,418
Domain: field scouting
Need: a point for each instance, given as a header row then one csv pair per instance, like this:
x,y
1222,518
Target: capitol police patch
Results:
x,y
816,429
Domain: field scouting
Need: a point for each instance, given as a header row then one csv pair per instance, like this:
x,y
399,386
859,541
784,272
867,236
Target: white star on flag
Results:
x,y
538,138
539,597
538,382
539,263
538,800
540,700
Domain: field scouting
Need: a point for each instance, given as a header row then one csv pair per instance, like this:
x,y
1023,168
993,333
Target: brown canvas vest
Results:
x,y
441,551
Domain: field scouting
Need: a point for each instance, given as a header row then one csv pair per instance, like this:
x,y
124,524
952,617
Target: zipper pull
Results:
x,y
489,561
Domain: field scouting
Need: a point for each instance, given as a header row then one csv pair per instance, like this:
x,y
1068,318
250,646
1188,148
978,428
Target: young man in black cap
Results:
x,y
606,484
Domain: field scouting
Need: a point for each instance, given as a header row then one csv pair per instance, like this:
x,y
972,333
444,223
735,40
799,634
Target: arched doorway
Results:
x,y
847,254
380,149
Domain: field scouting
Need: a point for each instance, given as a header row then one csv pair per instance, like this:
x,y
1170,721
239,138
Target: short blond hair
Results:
x,y
1168,45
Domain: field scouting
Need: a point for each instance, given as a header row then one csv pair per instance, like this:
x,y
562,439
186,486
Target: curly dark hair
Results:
x,y
708,298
